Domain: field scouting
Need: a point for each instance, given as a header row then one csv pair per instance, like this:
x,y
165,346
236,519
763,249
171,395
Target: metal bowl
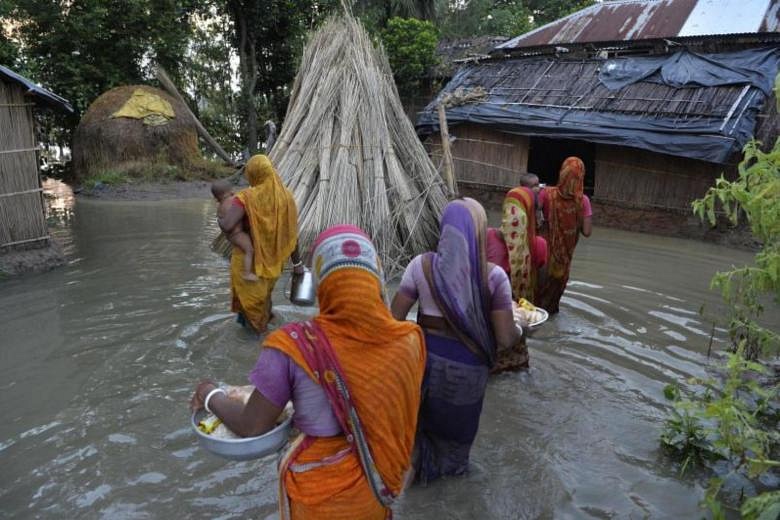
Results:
x,y
537,324
530,328
246,448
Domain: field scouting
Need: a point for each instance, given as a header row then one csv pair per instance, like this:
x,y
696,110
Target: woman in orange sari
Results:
x,y
271,217
354,376
568,214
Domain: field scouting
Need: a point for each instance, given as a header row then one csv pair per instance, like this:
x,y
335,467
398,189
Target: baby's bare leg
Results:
x,y
243,241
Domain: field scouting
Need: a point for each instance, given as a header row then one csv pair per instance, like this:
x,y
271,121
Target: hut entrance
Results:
x,y
546,155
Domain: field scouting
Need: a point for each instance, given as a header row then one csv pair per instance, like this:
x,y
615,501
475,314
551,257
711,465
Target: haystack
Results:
x,y
348,152
135,125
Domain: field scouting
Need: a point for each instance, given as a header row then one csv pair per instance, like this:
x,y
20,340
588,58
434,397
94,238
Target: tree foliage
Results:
x,y
9,49
411,49
735,416
82,48
755,196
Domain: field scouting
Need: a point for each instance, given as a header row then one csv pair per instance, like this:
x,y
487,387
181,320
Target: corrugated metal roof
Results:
x,y
624,20
39,93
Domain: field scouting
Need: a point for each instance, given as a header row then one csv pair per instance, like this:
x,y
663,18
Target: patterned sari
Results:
x,y
457,368
371,368
519,229
273,226
565,208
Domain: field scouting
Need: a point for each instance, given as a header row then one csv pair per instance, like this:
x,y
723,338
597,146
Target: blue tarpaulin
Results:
x,y
708,137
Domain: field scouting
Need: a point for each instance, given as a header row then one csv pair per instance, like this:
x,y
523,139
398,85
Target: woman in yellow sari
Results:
x,y
354,375
270,217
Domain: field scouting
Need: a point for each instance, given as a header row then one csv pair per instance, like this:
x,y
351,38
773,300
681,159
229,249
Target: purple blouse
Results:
x,y
415,286
280,380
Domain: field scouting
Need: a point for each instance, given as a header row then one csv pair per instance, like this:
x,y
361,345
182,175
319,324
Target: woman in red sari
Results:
x,y
568,214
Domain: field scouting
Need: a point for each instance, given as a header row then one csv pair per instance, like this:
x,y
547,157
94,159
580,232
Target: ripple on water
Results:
x,y
576,436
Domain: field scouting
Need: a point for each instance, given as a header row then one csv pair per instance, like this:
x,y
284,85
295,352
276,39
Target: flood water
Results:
x,y
98,360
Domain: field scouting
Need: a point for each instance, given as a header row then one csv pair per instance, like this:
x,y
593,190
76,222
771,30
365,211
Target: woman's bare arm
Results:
x,y
257,417
587,226
504,329
401,306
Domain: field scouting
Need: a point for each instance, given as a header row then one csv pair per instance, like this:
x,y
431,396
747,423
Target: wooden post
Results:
x,y
449,168
168,85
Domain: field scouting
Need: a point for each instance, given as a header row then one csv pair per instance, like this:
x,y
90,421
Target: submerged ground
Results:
x,y
99,359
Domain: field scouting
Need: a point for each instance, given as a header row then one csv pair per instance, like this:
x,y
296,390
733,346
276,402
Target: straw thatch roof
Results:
x,y
565,98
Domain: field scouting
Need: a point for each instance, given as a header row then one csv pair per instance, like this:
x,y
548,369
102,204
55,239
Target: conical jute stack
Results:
x,y
348,152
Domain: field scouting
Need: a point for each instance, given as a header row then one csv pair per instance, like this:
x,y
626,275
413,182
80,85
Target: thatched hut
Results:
x,y
132,128
657,97
22,209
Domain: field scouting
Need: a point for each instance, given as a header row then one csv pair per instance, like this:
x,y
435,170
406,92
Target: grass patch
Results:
x,y
157,171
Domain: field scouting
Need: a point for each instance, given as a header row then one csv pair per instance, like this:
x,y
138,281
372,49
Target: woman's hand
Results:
x,y
297,261
199,397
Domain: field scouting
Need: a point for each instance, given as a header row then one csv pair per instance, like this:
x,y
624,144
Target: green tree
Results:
x,y
268,37
546,11
210,78
411,50
9,49
82,48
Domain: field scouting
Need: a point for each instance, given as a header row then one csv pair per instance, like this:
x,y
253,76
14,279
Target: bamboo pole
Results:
x,y
168,85
449,168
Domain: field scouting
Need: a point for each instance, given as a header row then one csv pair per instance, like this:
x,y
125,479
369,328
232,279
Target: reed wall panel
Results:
x,y
22,212
484,156
644,179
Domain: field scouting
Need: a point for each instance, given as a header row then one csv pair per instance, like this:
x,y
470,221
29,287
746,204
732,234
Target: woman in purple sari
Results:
x,y
465,309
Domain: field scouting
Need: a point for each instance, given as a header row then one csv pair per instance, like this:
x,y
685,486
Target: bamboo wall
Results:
x,y
484,156
644,179
22,213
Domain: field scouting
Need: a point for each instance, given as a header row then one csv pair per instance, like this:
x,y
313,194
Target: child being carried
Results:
x,y
223,193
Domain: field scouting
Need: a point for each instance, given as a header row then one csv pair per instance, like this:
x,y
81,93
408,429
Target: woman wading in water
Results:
x,y
568,213
272,220
465,308
353,374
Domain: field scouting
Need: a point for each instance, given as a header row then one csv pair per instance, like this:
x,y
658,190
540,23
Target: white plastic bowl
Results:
x,y
245,448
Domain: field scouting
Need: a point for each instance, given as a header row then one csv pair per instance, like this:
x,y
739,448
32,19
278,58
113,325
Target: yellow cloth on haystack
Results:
x,y
148,106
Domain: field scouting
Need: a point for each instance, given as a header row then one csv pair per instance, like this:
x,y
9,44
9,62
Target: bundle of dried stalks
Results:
x,y
102,142
348,152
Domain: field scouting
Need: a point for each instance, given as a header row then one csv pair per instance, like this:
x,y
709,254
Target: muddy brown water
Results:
x,y
99,359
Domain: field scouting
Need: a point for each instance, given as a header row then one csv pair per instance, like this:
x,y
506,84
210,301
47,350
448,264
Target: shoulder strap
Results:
x,y
321,358
463,338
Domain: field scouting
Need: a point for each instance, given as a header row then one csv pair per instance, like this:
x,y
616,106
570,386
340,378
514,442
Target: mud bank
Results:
x,y
34,260
149,191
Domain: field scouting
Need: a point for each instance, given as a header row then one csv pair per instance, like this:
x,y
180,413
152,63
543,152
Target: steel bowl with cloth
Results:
x,y
272,219
354,375
458,293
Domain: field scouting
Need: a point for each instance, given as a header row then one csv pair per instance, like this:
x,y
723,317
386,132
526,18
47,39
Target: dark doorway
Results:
x,y
546,156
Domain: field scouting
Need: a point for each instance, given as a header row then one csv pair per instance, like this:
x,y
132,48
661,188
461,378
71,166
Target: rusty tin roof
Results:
x,y
624,20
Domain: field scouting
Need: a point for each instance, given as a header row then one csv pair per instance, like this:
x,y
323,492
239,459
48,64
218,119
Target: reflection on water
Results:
x,y
99,359
59,199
